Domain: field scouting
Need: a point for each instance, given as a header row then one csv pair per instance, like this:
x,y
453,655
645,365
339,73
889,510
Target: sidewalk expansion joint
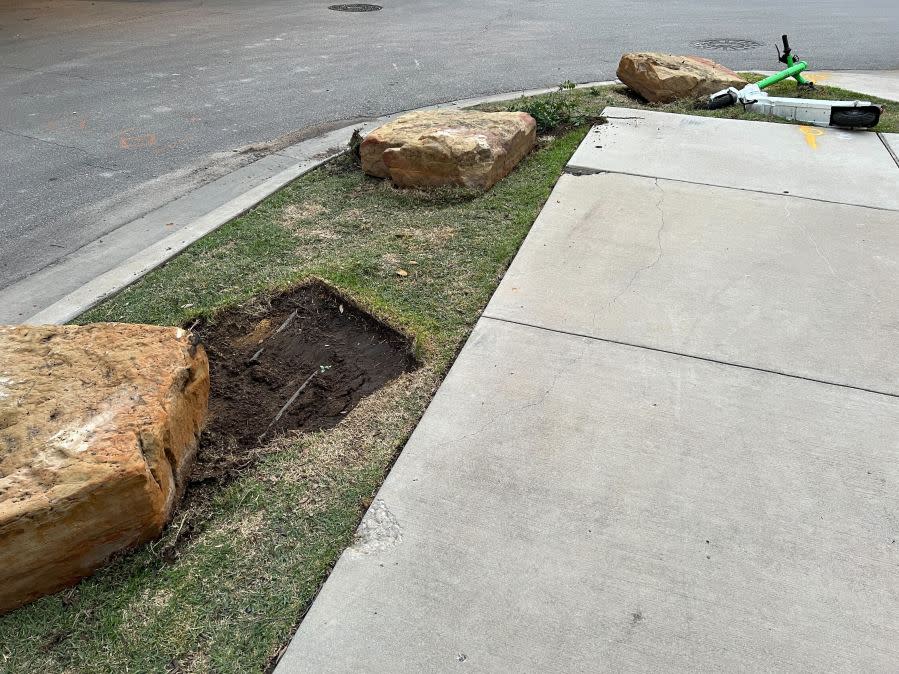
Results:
x,y
888,148
578,171
691,356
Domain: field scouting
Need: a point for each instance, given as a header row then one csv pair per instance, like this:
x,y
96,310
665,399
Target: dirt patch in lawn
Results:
x,y
300,361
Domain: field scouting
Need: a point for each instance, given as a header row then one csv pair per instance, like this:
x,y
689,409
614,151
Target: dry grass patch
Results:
x,y
303,210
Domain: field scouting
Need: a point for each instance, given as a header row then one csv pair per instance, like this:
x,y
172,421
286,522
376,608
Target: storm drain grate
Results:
x,y
727,44
356,7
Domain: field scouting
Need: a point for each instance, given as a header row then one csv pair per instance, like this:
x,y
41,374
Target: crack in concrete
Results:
x,y
55,144
658,243
526,406
788,216
53,74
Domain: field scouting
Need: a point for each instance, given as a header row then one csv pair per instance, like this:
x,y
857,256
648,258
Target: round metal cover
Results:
x,y
727,44
355,7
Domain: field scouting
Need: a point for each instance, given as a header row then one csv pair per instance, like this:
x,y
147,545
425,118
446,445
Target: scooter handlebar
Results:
x,y
785,57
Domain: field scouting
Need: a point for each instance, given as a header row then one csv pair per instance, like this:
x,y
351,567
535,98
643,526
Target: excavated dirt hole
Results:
x,y
301,363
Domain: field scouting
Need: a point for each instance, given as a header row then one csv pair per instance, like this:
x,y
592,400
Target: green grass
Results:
x,y
589,102
225,586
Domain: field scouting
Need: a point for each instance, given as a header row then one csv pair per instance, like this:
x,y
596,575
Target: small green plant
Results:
x,y
567,84
551,112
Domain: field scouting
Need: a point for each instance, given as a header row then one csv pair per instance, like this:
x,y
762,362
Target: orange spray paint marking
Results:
x,y
811,133
134,142
816,77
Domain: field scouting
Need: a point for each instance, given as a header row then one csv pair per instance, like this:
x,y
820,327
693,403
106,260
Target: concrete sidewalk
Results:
x,y
670,443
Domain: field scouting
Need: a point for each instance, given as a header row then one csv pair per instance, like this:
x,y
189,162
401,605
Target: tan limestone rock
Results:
x,y
663,78
98,431
449,147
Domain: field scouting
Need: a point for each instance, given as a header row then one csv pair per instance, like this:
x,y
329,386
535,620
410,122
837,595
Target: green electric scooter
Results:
x,y
847,114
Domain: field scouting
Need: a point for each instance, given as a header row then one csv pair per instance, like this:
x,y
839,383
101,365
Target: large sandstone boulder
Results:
x,y
98,430
449,147
663,78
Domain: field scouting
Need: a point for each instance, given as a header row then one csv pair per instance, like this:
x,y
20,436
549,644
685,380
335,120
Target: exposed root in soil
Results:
x,y
299,362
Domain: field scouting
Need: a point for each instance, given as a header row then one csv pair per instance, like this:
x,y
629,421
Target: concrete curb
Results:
x,y
310,154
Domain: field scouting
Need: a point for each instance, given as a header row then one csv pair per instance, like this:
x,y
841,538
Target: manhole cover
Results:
x,y
356,7
727,44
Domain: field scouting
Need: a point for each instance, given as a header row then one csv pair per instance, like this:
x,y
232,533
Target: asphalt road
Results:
x,y
109,109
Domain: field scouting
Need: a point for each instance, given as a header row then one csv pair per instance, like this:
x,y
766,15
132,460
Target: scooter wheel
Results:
x,y
718,102
855,118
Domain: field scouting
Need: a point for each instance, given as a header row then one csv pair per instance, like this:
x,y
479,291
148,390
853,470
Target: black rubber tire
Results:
x,y
855,118
721,102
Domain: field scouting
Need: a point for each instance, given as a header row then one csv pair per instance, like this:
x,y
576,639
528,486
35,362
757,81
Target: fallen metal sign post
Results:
x,y
847,114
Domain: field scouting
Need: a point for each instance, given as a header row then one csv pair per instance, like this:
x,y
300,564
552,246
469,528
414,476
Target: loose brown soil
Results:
x,y
301,362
